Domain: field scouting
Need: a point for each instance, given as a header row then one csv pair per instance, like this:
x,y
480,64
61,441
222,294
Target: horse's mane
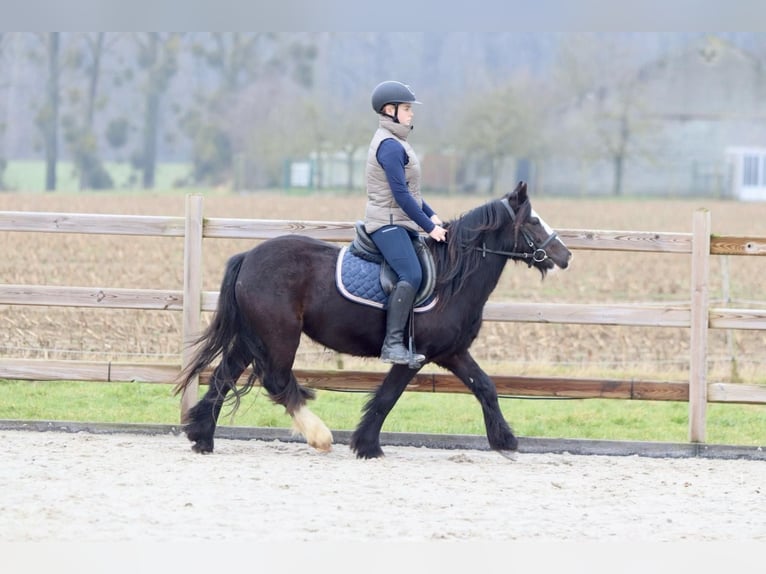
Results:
x,y
459,259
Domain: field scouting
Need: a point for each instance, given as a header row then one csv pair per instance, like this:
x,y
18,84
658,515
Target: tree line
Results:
x,y
234,105
95,94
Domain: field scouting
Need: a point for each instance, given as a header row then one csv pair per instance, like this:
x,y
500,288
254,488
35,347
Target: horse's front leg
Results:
x,y
365,441
499,433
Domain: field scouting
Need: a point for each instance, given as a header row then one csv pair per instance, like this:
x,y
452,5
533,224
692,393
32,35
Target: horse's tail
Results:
x,y
223,331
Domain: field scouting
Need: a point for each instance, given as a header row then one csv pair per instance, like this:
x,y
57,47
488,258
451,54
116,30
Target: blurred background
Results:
x,y
575,114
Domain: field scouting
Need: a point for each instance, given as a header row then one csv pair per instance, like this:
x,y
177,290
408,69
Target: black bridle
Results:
x,y
538,253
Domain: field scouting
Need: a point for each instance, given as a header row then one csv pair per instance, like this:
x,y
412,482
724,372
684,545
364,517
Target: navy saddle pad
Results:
x,y
359,280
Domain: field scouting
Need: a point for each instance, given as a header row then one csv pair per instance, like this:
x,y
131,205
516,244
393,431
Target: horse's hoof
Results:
x,y
311,427
369,453
202,447
510,454
323,446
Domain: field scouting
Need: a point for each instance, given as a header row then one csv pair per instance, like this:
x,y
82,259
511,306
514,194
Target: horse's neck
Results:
x,y
478,277
482,281
485,280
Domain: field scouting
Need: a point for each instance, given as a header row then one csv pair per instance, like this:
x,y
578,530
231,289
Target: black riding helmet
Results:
x,y
391,92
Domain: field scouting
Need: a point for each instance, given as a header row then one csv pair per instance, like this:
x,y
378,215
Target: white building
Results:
x,y
746,177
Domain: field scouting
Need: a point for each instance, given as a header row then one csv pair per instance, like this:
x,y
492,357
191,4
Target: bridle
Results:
x,y
538,253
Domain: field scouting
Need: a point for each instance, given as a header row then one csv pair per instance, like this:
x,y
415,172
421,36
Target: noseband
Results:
x,y
538,254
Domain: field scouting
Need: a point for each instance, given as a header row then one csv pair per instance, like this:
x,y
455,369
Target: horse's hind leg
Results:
x,y
280,327
285,390
499,433
201,420
365,441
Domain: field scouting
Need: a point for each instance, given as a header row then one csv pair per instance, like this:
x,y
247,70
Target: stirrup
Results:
x,y
415,362
405,357
416,359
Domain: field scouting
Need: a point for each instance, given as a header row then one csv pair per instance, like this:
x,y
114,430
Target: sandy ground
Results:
x,y
121,487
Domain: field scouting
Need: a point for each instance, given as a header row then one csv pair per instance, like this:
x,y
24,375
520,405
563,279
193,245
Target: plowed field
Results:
x,y
512,348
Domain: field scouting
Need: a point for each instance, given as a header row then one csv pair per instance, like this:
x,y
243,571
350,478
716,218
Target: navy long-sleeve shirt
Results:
x,y
392,158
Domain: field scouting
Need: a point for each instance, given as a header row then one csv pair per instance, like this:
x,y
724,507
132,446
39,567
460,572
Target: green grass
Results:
x,y
30,175
415,412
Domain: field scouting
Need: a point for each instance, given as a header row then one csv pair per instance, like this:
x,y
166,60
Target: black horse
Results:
x,y
285,286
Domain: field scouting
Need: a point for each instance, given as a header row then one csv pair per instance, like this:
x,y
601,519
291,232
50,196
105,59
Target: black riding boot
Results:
x,y
399,305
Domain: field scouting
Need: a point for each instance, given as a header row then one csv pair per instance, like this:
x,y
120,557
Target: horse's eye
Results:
x,y
534,220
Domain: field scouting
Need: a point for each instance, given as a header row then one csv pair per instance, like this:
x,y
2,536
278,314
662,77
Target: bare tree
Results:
x,y
353,133
3,86
86,54
239,61
499,124
158,57
598,82
48,117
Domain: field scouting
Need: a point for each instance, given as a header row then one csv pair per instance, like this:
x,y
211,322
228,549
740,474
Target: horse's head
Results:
x,y
532,236
507,228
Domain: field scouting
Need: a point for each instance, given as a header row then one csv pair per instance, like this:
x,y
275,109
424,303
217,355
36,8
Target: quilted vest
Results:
x,y
382,208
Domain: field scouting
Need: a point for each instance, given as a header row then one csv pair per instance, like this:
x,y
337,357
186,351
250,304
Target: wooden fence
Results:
x,y
698,316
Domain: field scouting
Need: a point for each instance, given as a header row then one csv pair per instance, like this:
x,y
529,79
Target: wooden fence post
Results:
x,y
192,301
700,313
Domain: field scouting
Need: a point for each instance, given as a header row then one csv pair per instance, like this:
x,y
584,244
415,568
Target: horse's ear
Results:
x,y
521,191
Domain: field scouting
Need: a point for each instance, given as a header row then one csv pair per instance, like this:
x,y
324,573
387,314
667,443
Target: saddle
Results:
x,y
362,259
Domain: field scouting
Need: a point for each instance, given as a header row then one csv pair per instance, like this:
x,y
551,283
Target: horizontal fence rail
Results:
x,y
697,314
148,225
635,315
347,380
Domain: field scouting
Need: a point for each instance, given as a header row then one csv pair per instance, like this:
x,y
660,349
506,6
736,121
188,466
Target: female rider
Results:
x,y
395,211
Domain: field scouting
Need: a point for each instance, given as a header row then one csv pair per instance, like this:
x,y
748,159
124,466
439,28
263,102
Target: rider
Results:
x,y
396,212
